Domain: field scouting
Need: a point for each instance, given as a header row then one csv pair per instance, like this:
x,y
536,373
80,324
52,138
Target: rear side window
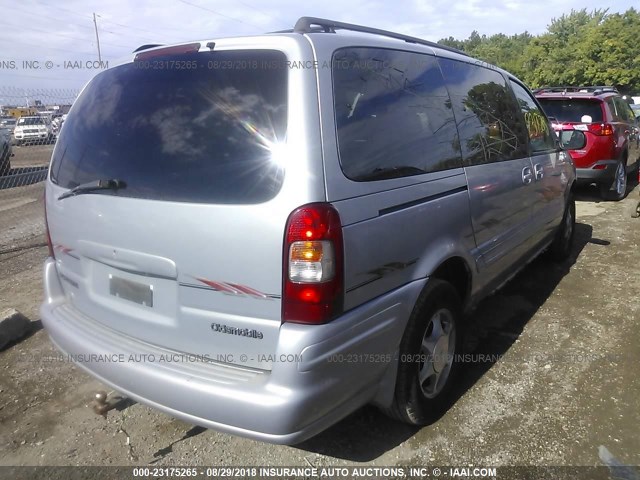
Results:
x,y
623,110
489,119
393,114
572,109
541,138
199,128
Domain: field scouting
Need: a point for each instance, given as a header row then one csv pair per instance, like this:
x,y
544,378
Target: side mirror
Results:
x,y
572,139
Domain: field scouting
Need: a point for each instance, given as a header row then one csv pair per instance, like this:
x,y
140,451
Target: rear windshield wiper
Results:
x,y
111,184
391,172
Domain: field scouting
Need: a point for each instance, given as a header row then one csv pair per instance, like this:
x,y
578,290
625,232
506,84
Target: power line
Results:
x,y
219,14
61,34
67,22
138,28
48,17
90,19
254,8
43,77
260,12
65,10
43,47
49,92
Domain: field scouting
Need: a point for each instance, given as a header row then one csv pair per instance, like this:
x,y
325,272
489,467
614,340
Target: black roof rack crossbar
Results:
x,y
311,24
594,89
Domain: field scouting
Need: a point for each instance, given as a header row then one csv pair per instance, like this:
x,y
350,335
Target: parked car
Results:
x,y
7,124
35,129
6,152
636,111
7,131
311,240
612,151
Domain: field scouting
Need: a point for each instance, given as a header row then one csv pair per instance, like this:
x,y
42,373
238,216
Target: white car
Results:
x,y
33,129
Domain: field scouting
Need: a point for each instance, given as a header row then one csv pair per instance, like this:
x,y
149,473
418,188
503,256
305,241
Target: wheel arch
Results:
x,y
456,271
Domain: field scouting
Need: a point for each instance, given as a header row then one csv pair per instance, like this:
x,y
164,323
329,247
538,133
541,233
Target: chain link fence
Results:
x,y
30,121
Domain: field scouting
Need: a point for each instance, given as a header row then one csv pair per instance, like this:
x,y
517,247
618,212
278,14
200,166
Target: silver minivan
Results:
x,y
262,234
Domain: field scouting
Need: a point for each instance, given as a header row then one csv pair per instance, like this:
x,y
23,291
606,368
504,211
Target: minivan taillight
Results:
x,y
601,128
313,284
46,227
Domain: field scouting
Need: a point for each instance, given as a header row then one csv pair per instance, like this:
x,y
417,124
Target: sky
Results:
x,y
44,42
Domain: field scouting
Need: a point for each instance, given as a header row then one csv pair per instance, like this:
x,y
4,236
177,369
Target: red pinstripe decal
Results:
x,y
248,290
232,288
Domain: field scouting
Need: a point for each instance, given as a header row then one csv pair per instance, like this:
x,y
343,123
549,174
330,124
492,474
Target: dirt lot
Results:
x,y
558,376
31,155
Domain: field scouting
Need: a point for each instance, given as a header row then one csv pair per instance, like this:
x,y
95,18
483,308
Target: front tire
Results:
x,y
429,351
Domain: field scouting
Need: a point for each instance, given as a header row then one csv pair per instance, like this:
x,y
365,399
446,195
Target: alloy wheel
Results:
x,y
436,353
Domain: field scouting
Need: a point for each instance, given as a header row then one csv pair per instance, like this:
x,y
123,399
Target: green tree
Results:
x,y
579,48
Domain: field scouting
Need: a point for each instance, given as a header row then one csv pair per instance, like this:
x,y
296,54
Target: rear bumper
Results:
x,y
340,367
593,175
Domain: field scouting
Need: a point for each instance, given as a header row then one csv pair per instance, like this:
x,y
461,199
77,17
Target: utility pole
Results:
x,y
95,24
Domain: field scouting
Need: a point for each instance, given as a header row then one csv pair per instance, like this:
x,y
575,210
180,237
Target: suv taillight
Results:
x,y
601,128
313,285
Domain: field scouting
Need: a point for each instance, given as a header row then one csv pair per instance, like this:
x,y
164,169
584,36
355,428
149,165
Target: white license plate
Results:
x,y
140,293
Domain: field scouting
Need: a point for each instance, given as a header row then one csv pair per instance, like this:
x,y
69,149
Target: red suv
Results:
x,y
612,148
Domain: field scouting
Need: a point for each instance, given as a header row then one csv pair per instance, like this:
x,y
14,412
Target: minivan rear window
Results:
x,y
199,127
571,110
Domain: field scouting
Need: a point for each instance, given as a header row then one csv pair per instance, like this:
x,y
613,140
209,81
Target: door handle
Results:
x,y
527,175
539,169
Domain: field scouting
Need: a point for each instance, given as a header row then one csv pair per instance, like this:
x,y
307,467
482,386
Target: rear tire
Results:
x,y
428,363
562,244
617,190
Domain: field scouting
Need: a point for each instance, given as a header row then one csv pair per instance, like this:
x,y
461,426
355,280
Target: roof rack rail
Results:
x,y
593,89
311,24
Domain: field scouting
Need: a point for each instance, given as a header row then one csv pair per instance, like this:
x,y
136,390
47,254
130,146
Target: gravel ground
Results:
x,y
21,222
558,380
31,155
